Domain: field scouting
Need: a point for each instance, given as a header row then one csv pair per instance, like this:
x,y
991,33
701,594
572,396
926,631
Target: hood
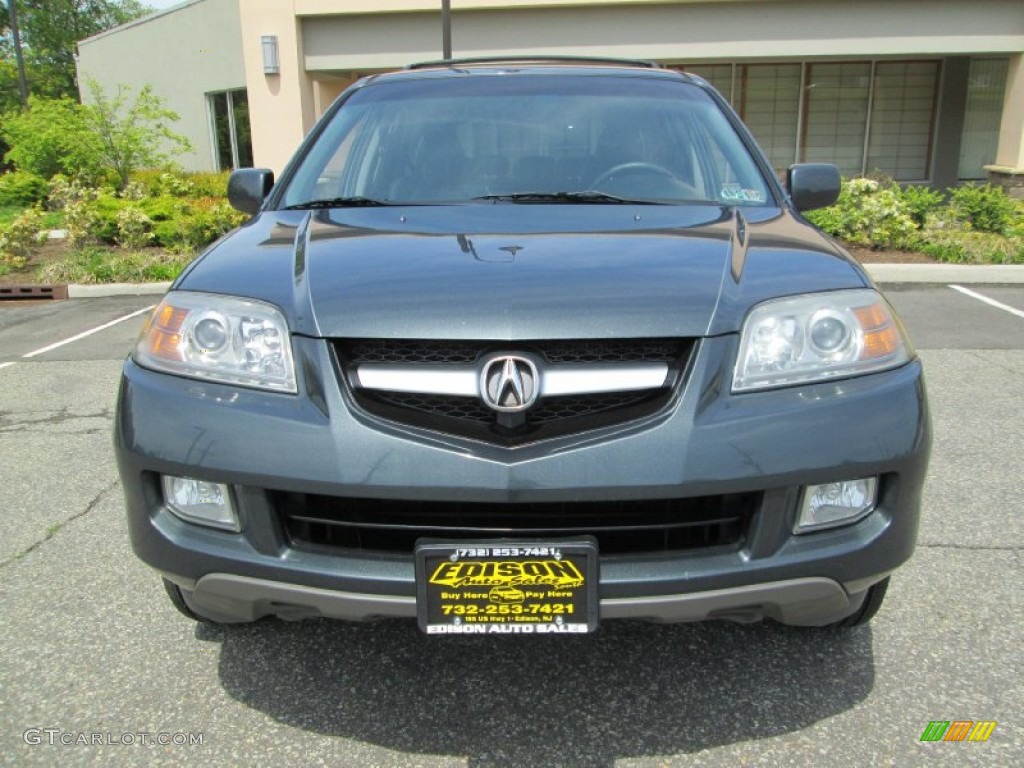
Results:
x,y
520,285
516,271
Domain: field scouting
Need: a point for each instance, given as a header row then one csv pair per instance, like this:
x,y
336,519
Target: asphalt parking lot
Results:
x,y
94,652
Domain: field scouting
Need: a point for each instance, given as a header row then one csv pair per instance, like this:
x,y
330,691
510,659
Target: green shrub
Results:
x,y
186,226
20,238
105,210
921,202
163,208
1016,227
985,208
22,188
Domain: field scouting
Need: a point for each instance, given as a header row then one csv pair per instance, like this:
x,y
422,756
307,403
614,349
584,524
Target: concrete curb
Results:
x,y
117,289
1012,274
946,273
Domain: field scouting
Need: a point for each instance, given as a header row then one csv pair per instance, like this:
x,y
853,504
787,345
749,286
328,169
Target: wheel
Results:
x,y
872,602
178,601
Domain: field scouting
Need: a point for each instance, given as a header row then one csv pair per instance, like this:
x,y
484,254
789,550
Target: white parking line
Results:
x,y
90,332
6,365
987,300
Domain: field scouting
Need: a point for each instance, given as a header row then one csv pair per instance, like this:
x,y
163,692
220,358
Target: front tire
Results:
x,y
174,592
864,614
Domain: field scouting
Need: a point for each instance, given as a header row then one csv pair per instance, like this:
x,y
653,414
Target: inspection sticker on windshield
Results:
x,y
734,193
501,587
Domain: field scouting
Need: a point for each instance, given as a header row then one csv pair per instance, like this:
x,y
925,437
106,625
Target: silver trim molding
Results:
x,y
555,380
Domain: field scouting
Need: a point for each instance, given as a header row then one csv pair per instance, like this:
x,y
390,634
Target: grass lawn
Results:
x,y
55,263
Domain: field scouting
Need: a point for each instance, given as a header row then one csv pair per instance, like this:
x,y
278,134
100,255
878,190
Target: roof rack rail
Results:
x,y
534,60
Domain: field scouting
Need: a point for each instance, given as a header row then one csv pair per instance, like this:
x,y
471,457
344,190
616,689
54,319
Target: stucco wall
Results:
x,y
686,32
184,54
214,45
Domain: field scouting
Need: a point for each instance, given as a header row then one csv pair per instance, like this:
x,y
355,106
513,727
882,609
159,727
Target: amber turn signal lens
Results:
x,y
881,343
162,336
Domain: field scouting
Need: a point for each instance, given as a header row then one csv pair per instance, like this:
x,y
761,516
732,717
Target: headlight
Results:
x,y
818,336
219,338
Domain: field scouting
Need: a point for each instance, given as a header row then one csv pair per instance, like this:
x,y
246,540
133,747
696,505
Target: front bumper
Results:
x,y
705,442
813,601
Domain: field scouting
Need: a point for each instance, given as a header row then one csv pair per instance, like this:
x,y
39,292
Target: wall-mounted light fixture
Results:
x,y
271,61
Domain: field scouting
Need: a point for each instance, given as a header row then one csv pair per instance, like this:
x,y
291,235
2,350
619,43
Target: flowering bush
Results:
x,y
134,228
869,213
155,208
20,238
976,225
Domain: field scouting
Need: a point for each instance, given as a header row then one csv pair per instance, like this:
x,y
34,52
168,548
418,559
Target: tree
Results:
x,y
51,137
51,30
132,135
109,138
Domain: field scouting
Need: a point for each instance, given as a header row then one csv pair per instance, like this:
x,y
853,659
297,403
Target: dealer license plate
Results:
x,y
501,587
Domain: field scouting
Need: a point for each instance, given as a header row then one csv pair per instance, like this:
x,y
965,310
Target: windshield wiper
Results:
x,y
337,202
589,196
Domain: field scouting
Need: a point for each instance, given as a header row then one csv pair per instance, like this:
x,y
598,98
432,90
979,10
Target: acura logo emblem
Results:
x,y
509,383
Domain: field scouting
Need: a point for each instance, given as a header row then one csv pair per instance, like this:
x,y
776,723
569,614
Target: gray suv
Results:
x,y
517,347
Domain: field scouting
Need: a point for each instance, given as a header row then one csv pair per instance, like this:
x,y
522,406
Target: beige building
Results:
x,y
923,90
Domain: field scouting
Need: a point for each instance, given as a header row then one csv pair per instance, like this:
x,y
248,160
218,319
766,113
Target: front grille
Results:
x,y
621,527
549,417
445,406
414,352
470,409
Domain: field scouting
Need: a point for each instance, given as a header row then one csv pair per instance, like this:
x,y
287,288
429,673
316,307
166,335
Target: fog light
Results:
x,y
197,501
832,504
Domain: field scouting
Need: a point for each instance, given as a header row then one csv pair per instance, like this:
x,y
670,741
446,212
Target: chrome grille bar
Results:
x,y
555,380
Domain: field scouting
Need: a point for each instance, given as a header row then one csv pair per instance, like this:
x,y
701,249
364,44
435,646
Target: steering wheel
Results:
x,y
641,167
632,169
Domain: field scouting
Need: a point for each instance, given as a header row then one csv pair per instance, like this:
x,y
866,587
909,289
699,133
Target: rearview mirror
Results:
x,y
248,188
813,185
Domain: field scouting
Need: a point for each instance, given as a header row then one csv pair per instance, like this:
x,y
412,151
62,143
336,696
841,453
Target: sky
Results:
x,y
161,4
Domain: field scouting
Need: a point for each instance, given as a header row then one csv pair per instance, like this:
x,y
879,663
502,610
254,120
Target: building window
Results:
x,y
769,103
864,116
902,115
232,137
986,87
835,115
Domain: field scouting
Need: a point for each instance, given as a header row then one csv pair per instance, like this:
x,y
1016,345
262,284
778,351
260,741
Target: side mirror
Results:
x,y
813,185
248,188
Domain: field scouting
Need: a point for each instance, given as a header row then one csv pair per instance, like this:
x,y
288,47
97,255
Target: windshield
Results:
x,y
528,138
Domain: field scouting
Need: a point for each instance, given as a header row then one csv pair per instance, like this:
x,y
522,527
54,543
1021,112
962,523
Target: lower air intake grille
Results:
x,y
660,525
